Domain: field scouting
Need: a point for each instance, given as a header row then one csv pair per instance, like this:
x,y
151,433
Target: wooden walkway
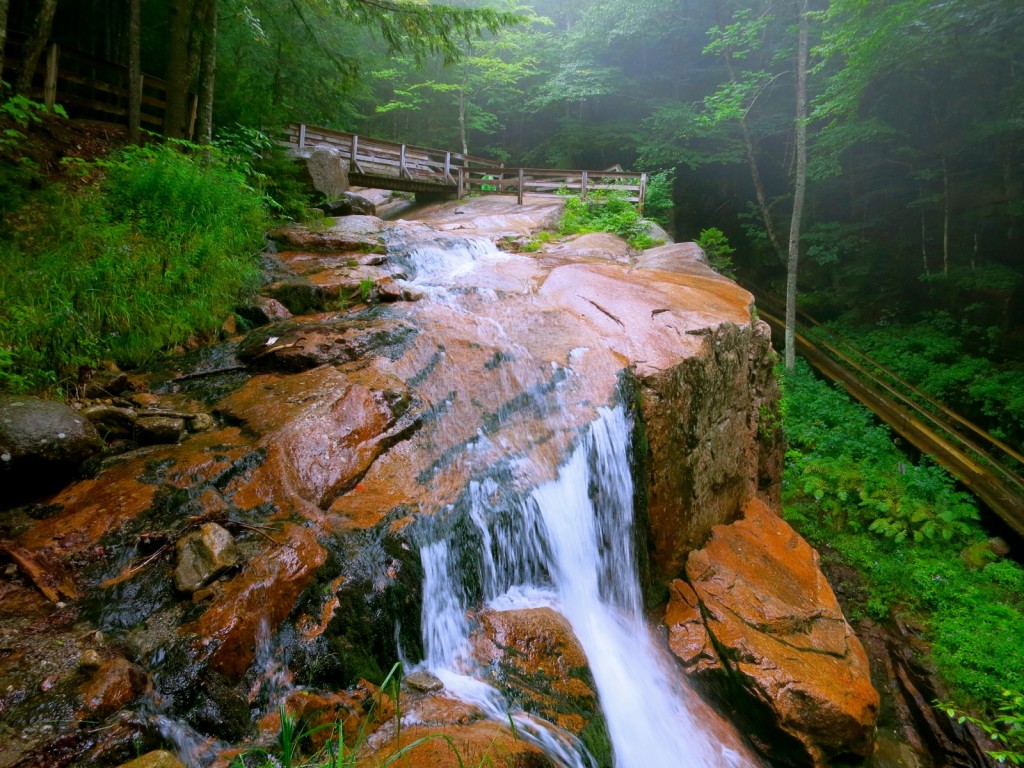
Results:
x,y
408,168
987,466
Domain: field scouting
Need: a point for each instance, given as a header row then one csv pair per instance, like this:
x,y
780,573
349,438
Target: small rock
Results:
x,y
388,289
264,310
157,759
201,422
110,421
113,686
152,430
999,546
230,326
424,682
202,556
90,659
146,400
103,384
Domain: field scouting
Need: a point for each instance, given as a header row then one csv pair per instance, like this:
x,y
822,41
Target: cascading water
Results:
x,y
566,544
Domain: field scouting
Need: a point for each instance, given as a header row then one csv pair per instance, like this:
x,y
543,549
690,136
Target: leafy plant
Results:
x,y
156,248
366,289
902,526
605,211
1006,727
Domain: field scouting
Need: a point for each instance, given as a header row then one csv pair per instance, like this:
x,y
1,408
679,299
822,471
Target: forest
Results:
x,y
870,153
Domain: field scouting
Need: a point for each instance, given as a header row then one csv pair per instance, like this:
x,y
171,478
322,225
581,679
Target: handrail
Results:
x,y
400,164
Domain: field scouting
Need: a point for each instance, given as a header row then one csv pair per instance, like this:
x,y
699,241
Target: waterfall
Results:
x,y
568,544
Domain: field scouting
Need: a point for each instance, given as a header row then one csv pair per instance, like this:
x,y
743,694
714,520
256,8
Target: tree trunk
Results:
x,y
35,45
799,187
134,73
4,5
176,115
462,123
755,173
208,69
945,216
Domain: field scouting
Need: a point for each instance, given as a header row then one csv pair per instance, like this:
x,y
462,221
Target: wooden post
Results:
x,y
520,186
353,165
643,193
302,135
401,164
461,188
50,83
192,112
583,185
447,165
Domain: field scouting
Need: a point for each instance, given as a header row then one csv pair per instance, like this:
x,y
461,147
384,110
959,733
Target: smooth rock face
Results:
x,y
325,168
348,233
779,633
42,441
159,758
203,555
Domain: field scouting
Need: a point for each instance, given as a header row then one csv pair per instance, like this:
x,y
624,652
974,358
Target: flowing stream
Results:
x,y
566,543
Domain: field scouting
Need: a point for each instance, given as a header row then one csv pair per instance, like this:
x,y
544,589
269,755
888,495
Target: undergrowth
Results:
x,y
606,211
147,249
903,526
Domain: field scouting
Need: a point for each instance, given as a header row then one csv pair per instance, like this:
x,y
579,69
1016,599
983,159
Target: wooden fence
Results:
x,y
87,86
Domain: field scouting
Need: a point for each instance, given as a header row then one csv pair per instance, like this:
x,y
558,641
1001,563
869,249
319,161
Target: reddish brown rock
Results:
x,y
348,233
688,638
782,635
113,686
264,593
535,653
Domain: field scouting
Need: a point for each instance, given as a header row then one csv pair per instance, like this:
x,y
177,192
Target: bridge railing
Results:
x,y
369,157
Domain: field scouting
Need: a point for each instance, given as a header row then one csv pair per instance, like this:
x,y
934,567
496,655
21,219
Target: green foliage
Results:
x,y
947,358
850,491
17,172
1006,726
605,211
658,203
156,248
716,245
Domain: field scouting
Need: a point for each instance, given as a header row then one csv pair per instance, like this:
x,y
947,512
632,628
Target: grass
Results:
x,y
903,527
606,211
293,737
148,249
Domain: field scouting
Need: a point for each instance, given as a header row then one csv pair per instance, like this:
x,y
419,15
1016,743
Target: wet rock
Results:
x,y
424,682
324,168
534,656
264,310
159,758
96,384
782,636
114,685
350,203
264,593
296,346
111,422
42,442
596,245
155,430
675,257
388,289
90,660
200,422
202,556
688,638
347,233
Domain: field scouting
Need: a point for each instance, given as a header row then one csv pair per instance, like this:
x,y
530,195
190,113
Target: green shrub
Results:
x,y
853,493
605,211
156,248
716,245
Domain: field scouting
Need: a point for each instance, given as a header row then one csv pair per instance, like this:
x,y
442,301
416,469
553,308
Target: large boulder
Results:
x,y
42,443
347,233
325,169
771,625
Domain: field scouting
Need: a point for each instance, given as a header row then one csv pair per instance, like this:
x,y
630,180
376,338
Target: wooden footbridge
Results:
x,y
408,168
987,466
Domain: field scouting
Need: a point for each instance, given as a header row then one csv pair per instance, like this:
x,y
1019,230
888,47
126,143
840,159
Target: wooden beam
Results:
x,y
302,135
583,185
643,193
50,81
520,186
354,160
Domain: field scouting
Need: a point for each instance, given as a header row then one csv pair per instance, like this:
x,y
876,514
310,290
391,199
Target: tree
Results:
x,y
4,10
799,186
134,72
35,45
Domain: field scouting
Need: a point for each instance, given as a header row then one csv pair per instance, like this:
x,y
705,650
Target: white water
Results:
x,y
568,544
